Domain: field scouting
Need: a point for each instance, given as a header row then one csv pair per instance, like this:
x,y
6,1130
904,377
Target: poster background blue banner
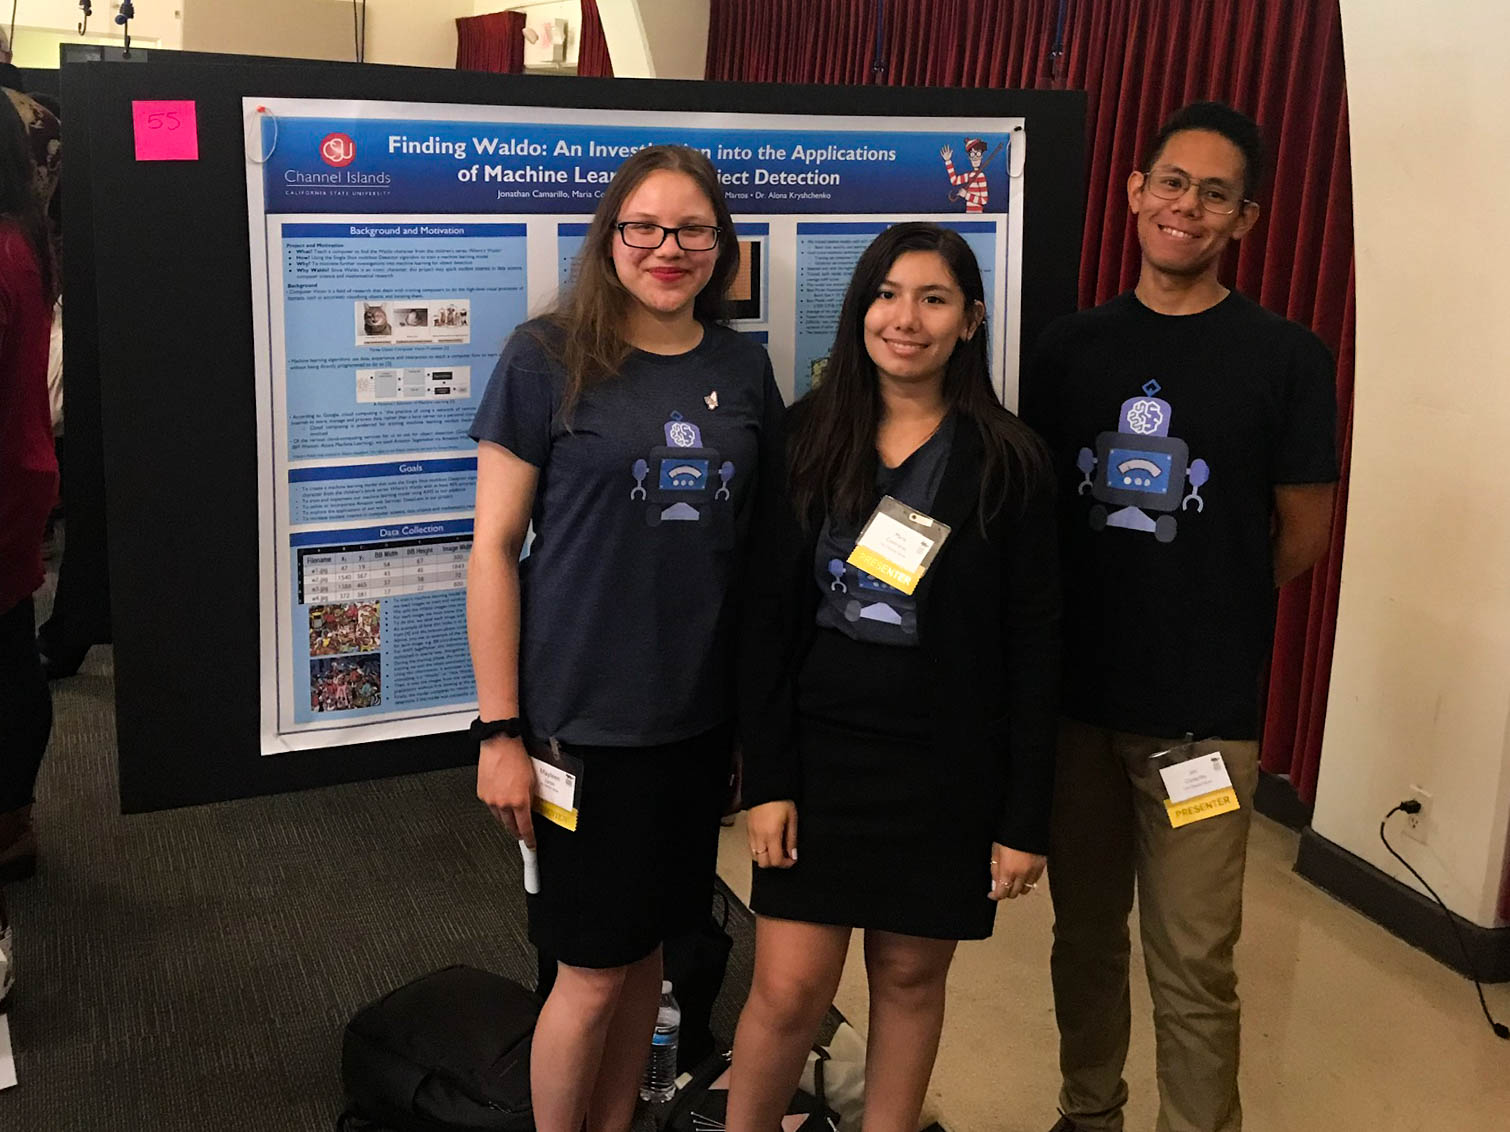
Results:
x,y
382,165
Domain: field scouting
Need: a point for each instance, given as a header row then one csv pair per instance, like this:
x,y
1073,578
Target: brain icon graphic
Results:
x,y
682,434
1145,417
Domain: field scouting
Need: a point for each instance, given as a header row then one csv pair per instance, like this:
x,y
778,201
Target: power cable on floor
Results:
x,y
1411,806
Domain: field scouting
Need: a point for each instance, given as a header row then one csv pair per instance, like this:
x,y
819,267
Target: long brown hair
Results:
x,y
833,452
588,318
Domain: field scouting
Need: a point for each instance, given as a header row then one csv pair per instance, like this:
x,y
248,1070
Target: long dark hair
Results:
x,y
833,451
18,195
587,320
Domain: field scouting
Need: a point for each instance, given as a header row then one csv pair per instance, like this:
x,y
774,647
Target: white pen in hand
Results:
x,y
531,869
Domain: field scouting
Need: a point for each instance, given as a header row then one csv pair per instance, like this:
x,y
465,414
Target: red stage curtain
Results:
x,y
592,47
492,42
1279,60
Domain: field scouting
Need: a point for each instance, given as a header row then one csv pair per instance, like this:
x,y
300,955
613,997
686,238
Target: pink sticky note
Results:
x,y
166,130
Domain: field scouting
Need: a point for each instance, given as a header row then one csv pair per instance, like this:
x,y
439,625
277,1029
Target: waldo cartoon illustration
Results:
x,y
971,185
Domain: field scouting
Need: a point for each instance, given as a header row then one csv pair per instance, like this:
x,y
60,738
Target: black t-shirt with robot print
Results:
x,y
1169,434
640,517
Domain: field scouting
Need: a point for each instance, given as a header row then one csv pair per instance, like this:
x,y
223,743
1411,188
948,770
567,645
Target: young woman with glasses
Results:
x,y
631,429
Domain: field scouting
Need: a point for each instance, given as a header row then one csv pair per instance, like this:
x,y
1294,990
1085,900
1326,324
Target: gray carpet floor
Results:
x,y
193,969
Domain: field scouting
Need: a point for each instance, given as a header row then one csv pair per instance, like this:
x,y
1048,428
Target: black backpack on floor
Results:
x,y
447,1052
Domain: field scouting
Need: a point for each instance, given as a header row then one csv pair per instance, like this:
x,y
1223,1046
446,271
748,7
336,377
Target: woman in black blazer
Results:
x,y
903,744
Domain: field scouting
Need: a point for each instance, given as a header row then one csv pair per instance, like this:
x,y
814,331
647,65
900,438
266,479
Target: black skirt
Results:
x,y
891,835
639,867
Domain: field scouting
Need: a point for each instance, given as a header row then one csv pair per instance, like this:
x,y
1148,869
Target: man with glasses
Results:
x,y
1194,434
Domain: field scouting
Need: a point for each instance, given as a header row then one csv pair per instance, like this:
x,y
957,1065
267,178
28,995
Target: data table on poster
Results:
x,y
370,571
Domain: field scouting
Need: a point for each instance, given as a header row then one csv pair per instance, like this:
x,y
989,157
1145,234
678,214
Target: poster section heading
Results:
x,y
347,164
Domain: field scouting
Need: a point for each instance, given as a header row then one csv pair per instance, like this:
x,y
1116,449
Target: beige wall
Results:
x,y
677,32
418,33
662,39
158,24
299,29
625,33
646,38
415,33
1421,678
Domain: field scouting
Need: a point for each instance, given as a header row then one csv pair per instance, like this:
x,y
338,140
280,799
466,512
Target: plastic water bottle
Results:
x,y
660,1071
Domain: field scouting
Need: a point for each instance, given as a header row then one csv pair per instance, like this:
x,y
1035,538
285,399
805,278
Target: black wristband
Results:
x,y
484,729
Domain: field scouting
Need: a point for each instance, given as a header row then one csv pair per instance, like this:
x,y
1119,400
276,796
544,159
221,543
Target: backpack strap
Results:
x,y
697,1088
819,1091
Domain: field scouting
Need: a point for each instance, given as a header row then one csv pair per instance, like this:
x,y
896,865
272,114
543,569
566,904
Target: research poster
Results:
x,y
394,248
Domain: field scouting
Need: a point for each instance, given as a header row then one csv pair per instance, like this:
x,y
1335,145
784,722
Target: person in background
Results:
x,y
59,642
631,430
81,606
1195,436
55,347
29,473
898,746
11,77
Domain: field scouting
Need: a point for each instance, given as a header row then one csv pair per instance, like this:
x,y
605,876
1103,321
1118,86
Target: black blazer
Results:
x,y
988,626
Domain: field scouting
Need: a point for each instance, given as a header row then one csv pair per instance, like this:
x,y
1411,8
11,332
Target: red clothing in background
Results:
x,y
28,466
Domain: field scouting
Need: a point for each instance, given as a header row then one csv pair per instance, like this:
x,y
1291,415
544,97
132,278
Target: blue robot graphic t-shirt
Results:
x,y
1169,435
639,521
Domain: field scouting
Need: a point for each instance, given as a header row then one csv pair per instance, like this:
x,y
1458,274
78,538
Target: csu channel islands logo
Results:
x,y
338,150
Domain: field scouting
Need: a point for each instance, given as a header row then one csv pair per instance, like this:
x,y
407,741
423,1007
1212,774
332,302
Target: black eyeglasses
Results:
x,y
1214,196
689,237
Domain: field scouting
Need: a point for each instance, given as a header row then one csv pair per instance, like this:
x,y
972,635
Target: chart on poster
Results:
x,y
395,247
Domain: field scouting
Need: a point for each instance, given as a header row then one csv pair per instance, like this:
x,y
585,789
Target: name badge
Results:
x,y
897,544
558,784
1200,775
1196,782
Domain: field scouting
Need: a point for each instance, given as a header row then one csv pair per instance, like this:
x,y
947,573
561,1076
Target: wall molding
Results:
x,y
1399,908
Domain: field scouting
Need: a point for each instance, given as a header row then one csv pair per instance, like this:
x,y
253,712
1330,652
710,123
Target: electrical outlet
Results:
x,y
1417,824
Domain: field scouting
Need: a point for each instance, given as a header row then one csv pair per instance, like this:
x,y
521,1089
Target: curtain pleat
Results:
x,y
592,48
491,42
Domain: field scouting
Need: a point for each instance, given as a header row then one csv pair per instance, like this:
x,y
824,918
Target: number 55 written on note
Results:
x,y
166,130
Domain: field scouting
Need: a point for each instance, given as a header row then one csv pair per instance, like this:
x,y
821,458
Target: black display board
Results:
x,y
173,279
81,607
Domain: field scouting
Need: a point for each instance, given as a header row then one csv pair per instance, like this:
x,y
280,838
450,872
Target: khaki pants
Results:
x,y
1111,831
